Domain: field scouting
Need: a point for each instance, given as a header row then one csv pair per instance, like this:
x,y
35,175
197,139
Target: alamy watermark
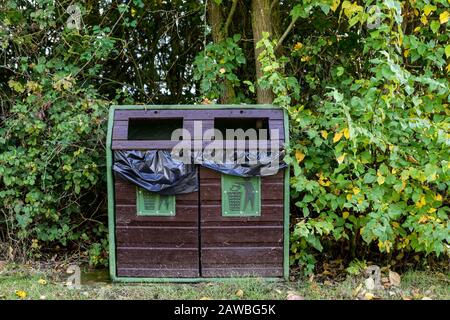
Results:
x,y
235,147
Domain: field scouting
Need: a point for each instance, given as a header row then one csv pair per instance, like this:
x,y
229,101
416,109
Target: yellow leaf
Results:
x,y
298,46
416,12
337,136
345,214
335,5
424,20
305,58
421,202
349,196
431,210
381,180
323,181
417,29
438,197
205,298
346,133
299,156
443,17
341,158
448,71
42,281
21,294
406,53
324,134
239,293
133,12
428,9
356,190
351,8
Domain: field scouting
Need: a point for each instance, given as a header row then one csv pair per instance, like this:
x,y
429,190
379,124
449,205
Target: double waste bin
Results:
x,y
197,192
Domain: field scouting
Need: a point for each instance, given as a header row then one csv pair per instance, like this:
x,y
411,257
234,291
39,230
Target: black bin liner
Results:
x,y
156,171
245,163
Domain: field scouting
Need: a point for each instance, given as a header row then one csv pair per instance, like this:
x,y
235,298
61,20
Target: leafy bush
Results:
x,y
51,155
369,134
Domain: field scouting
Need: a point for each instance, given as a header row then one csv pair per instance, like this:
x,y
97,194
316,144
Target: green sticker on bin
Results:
x,y
241,197
153,204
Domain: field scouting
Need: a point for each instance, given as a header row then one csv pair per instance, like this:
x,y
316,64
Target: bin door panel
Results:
x,y
152,239
241,244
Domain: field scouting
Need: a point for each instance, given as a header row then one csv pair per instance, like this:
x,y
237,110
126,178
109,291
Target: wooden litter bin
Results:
x,y
232,226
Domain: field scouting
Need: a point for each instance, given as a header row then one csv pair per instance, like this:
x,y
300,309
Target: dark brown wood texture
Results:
x,y
169,246
156,246
206,116
239,246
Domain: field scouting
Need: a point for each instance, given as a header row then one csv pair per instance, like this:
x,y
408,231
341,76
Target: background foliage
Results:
x,y
366,85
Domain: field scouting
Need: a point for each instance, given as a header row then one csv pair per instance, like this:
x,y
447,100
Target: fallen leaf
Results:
x,y
42,281
394,278
357,289
324,134
294,296
426,298
239,293
369,296
205,298
345,214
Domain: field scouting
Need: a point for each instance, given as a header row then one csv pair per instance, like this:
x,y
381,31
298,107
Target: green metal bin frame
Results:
x,y
111,200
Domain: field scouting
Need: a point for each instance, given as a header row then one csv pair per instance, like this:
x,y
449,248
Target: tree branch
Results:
x,y
289,28
229,18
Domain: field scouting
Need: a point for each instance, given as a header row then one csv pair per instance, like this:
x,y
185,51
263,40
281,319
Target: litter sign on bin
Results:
x,y
241,196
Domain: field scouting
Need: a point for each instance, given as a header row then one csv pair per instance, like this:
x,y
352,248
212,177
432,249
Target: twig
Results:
x,y
229,18
289,28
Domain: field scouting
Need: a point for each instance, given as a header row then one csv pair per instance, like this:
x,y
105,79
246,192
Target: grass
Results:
x,y
50,285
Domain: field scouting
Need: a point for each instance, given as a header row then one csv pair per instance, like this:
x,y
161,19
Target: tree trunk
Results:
x,y
217,22
261,22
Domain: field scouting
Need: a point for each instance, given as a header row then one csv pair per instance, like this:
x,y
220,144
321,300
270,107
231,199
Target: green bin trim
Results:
x,y
111,200
153,204
241,197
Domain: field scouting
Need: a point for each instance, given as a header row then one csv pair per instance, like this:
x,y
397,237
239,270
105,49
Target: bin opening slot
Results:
x,y
153,129
222,124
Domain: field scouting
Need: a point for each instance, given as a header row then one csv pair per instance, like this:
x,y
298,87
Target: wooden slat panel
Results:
x,y
277,125
241,255
239,271
171,258
212,190
169,144
206,174
192,127
155,236
242,236
269,213
120,130
200,114
127,216
158,272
